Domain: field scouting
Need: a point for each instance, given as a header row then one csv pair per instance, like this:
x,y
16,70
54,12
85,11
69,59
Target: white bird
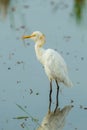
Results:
x,y
55,121
53,63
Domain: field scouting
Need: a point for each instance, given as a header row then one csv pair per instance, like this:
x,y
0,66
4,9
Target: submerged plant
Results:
x,y
78,9
33,119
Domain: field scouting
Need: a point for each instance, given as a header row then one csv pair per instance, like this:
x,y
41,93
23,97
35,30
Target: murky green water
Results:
x,y
24,87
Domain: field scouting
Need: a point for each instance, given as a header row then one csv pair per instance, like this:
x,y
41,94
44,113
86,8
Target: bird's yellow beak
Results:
x,y
28,36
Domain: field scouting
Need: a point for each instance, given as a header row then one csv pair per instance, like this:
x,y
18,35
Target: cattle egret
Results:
x,y
53,63
55,121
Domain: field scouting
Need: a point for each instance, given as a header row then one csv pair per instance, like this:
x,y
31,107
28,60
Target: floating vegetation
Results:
x,y
78,9
21,117
14,9
25,118
4,4
35,120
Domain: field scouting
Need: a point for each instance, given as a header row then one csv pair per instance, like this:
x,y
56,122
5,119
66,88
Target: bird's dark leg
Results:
x,y
50,99
57,103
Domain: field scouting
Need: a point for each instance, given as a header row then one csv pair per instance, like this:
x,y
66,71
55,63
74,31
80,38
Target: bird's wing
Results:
x,y
55,59
54,64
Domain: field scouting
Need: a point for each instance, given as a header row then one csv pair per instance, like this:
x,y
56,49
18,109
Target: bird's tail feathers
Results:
x,y
68,83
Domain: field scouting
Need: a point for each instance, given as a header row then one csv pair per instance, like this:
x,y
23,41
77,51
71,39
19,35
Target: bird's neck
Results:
x,y
39,52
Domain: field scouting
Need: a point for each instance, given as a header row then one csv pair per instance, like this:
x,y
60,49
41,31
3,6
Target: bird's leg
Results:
x,y
57,103
50,99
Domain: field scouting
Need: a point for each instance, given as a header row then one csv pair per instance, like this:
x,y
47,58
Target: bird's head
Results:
x,y
37,37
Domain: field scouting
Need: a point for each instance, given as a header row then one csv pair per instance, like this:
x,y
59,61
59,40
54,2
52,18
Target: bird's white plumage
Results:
x,y
54,64
55,121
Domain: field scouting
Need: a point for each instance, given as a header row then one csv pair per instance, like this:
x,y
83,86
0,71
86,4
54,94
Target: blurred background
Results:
x,y
24,87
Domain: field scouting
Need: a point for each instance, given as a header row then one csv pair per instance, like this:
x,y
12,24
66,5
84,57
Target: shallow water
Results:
x,y
23,80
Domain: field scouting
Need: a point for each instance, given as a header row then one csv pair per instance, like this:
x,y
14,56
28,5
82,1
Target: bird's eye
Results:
x,y
41,37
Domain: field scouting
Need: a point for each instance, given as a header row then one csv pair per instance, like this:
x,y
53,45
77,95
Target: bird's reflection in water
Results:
x,y
55,121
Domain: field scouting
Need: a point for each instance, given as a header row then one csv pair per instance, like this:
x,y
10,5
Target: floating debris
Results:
x,y
72,101
25,106
26,6
3,100
85,108
22,26
58,5
9,68
82,58
18,81
81,106
37,93
67,53
11,54
55,49
31,91
13,9
20,62
78,82
17,29
28,44
52,3
67,38
77,69
23,125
